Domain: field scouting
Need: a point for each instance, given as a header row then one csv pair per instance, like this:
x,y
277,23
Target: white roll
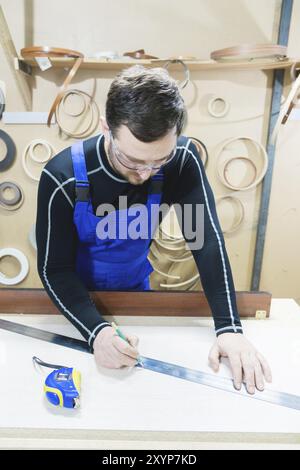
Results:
x,y
29,150
10,281
43,143
211,107
32,238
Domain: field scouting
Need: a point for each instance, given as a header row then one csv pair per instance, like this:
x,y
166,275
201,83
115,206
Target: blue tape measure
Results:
x,y
62,385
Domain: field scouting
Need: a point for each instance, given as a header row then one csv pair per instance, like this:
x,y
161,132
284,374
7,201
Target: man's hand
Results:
x,y
113,352
244,360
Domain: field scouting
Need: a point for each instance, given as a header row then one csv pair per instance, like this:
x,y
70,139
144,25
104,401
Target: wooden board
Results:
x,y
153,303
123,408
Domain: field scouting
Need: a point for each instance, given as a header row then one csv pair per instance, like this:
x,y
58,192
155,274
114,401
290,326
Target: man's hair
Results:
x,y
147,101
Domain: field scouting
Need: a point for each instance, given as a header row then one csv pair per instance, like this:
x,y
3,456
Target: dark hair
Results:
x,y
147,101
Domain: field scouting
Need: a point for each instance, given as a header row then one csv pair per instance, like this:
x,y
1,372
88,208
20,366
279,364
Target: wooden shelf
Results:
x,y
109,64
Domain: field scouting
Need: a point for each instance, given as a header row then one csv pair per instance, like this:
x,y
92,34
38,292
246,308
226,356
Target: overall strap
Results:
x,y
154,201
156,184
82,182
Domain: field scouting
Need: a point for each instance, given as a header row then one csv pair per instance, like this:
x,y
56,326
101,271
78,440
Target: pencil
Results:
x,y
119,333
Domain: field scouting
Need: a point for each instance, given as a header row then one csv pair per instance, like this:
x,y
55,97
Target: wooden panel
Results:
x,y
168,408
175,303
11,53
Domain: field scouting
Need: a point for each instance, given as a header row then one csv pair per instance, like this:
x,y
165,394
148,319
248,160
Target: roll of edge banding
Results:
x,y
34,52
224,166
2,102
186,79
250,52
180,284
212,108
9,281
241,212
16,201
29,149
225,170
32,237
89,106
8,160
202,150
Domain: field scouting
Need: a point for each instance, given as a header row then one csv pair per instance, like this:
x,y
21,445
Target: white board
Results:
x,y
141,400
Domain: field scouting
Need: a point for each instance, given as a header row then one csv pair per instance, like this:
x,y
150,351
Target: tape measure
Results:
x,y
210,380
62,385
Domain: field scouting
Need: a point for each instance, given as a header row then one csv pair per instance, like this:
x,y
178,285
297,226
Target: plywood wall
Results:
x,y
168,28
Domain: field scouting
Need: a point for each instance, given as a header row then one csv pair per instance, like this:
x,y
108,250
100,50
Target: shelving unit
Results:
x,y
193,65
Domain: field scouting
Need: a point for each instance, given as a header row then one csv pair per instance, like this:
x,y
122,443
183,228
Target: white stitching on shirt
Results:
x,y
228,328
183,156
92,335
60,186
102,165
46,260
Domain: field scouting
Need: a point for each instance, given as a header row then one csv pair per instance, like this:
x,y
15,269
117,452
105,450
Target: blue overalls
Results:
x,y
115,263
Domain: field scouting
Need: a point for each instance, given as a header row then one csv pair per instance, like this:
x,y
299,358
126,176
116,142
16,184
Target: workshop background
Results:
x,y
165,29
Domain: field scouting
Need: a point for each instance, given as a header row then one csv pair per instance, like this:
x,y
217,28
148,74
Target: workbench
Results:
x,y
133,408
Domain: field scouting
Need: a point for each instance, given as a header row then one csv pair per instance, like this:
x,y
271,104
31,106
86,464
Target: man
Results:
x,y
140,155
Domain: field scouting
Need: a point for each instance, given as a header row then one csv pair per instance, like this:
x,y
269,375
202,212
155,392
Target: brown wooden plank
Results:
x,y
153,303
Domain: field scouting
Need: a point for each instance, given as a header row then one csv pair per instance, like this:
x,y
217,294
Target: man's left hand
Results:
x,y
244,360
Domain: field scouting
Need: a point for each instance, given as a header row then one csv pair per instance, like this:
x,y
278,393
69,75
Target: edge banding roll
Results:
x,y
184,255
180,284
90,106
241,211
202,150
2,102
225,170
15,202
211,107
183,83
22,259
162,273
33,52
9,158
43,143
250,52
221,168
29,150
179,260
77,93
32,237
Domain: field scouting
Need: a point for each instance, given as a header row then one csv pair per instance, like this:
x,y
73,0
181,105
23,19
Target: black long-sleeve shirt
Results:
x,y
185,182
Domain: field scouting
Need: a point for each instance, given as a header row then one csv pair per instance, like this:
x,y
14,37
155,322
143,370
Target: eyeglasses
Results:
x,y
130,165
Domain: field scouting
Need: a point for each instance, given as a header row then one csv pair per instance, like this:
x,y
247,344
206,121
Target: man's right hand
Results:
x,y
113,352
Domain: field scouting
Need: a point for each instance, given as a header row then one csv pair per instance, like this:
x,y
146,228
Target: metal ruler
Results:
x,y
210,380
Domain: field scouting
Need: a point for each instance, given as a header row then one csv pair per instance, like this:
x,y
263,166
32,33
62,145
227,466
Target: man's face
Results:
x,y
136,152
